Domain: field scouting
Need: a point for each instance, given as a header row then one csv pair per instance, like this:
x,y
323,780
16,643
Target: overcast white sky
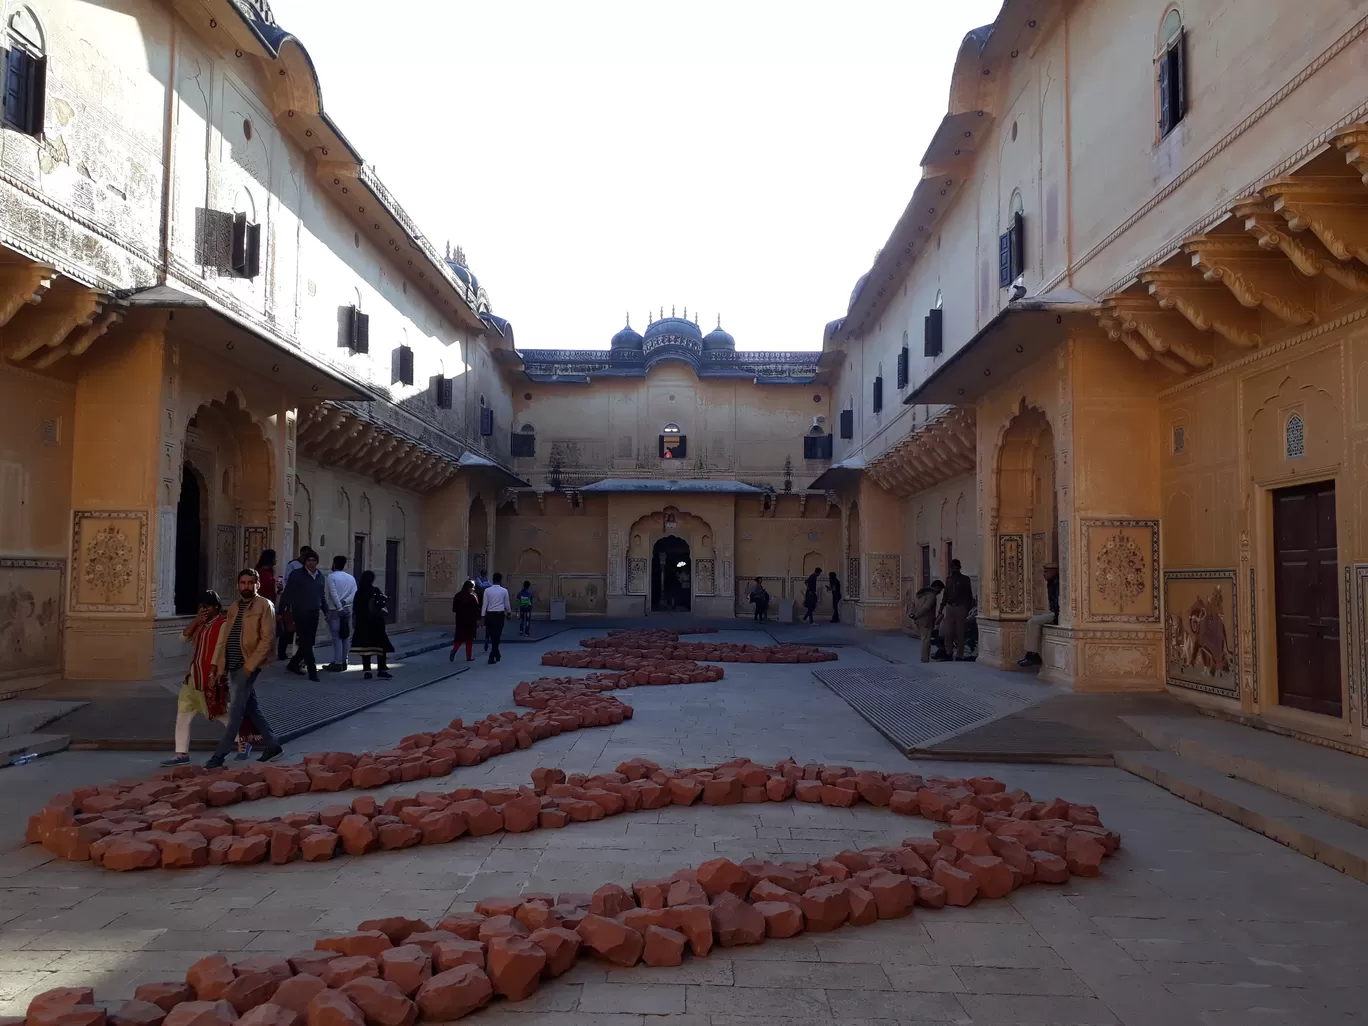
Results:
x,y
746,157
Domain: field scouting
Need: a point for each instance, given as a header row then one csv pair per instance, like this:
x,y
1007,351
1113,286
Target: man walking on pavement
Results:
x,y
340,590
303,600
242,650
495,607
956,601
1035,626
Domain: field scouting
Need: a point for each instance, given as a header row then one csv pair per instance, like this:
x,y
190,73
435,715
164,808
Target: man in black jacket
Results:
x,y
956,601
1035,626
303,600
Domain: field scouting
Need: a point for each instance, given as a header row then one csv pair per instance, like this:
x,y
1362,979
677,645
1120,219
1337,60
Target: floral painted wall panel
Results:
x,y
1011,585
1202,630
109,562
1121,570
30,616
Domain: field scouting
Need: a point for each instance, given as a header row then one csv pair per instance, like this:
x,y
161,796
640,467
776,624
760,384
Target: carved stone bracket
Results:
x,y
1164,331
1308,254
944,448
1208,306
1254,276
1334,209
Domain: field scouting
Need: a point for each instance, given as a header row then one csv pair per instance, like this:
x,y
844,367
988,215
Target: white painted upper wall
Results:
x,y
1266,80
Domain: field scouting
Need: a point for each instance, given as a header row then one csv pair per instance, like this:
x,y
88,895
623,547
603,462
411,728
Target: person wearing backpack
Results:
x,y
369,638
525,610
923,614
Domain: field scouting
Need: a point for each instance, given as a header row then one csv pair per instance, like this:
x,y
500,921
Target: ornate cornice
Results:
x,y
1254,276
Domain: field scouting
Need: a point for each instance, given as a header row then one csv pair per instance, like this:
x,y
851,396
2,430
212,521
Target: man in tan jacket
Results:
x,y
242,652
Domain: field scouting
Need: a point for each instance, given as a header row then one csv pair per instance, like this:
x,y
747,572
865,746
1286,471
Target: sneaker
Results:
x,y
313,677
244,753
335,667
274,752
291,668
385,675
176,760
215,762
366,675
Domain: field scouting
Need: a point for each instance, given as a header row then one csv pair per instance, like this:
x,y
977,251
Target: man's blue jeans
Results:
x,y
242,702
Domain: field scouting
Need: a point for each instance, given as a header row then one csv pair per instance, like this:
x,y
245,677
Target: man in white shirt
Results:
x,y
495,607
340,590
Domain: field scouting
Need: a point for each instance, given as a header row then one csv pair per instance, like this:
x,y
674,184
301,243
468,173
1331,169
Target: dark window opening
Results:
x,y
673,445
1172,71
933,332
443,390
523,444
403,365
1012,251
926,566
246,253
486,421
358,330
817,447
878,394
847,424
902,367
25,86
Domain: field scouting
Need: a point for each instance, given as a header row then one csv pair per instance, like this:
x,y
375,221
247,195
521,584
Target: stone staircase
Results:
x,y
21,723
1311,798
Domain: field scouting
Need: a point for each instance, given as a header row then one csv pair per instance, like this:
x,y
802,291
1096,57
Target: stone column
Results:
x,y
445,521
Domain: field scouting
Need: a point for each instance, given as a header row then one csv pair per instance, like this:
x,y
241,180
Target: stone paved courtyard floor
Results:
x,y
1195,921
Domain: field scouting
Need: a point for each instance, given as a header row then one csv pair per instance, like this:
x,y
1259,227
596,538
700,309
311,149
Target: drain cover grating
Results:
x,y
917,708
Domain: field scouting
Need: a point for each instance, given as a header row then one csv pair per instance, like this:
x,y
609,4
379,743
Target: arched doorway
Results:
x,y
671,575
191,578
1027,513
478,537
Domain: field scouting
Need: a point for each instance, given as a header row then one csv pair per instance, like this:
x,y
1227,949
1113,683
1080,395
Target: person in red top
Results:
x,y
270,584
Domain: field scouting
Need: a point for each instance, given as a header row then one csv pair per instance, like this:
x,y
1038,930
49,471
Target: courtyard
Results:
x,y
1195,920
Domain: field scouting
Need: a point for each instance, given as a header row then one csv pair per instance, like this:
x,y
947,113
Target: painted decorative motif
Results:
x,y
1011,591
1121,568
254,541
1361,640
615,564
637,574
704,577
166,563
1254,637
586,594
885,575
852,578
30,616
109,558
479,564
1202,631
1065,591
1040,599
443,571
226,558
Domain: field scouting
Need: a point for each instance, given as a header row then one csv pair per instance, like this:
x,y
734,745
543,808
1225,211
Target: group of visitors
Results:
x,y
758,595
482,601
947,612
233,646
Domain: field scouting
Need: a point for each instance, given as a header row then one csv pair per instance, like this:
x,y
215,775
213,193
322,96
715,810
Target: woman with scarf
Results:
x,y
369,637
465,607
202,693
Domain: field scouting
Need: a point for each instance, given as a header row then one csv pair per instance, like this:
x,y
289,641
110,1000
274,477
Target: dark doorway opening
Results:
x,y
392,579
189,543
358,555
671,576
1306,598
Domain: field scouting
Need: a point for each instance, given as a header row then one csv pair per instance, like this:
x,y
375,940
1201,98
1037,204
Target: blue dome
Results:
x,y
719,338
675,326
627,338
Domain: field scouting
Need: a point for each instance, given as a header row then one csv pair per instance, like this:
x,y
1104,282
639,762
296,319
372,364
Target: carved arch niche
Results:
x,y
1026,513
1307,392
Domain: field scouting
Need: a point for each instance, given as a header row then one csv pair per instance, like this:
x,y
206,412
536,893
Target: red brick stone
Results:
x,y
838,797
318,847
515,965
724,791
448,954
332,1008
271,1014
778,789
929,893
854,861
782,918
736,922
358,835
560,945
1082,854
199,1013
362,942
296,993
498,906
825,907
1049,868
686,892
966,815
341,971
651,893
768,890
864,910
49,1007
717,876
250,990
684,790
247,851
311,963
394,836
662,946
210,977
501,926
993,876
610,900
894,895
520,815
407,966
694,922
463,924
124,855
133,1013
552,819
481,818
960,887
610,940
381,1002
164,995
272,965
454,993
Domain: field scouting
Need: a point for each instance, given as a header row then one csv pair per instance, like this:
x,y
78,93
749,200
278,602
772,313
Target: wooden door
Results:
x,y
1306,598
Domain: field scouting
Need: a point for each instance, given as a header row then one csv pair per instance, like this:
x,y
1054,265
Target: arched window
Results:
x,y
673,444
1296,437
1170,65
25,72
523,442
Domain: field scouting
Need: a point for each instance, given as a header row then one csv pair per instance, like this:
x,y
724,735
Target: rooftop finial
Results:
x,y
672,310
448,256
629,318
686,313
719,319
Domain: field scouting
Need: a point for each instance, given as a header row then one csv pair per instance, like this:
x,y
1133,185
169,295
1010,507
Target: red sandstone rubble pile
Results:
x,y
395,971
658,652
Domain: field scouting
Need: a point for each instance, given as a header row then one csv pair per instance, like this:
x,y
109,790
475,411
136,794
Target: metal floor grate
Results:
x,y
916,708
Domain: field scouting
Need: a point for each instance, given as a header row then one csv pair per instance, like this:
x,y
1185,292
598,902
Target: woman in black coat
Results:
x,y
834,583
465,608
369,637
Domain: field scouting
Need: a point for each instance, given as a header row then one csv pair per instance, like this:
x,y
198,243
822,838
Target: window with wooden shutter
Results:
x,y
25,86
902,367
878,394
403,365
817,447
847,424
522,444
1172,73
933,333
442,391
358,330
246,247
1012,251
486,421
